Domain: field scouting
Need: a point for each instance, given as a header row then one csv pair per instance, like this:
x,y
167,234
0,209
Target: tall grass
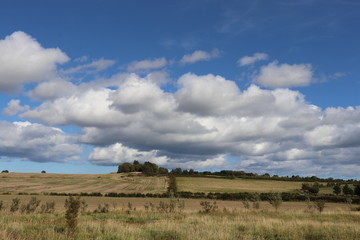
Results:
x,y
140,224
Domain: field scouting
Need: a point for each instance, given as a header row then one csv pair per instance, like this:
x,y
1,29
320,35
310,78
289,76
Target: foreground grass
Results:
x,y
234,224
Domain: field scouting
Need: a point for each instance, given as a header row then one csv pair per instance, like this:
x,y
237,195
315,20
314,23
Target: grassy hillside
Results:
x,y
76,183
198,184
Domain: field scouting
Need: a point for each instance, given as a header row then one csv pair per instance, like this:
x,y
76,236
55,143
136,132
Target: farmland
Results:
x,y
201,184
75,183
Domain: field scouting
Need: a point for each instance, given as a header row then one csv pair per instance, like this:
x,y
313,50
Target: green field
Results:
x,y
203,184
75,183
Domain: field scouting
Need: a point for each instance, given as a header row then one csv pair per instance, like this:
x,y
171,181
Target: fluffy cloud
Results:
x,y
52,89
204,122
118,153
248,60
37,143
147,64
23,59
199,55
14,107
276,75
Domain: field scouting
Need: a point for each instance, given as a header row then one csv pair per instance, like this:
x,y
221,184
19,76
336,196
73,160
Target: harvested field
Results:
x,y
76,183
200,184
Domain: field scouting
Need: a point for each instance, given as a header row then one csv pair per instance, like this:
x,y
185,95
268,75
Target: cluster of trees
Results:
x,y
346,189
147,168
311,188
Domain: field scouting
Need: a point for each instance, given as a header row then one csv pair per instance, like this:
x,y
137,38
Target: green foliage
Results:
x,y
208,207
357,190
255,199
126,167
5,171
72,206
275,200
313,189
337,189
150,168
15,205
347,190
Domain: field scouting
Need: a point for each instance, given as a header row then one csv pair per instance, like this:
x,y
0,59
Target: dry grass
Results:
x,y
288,224
199,184
75,183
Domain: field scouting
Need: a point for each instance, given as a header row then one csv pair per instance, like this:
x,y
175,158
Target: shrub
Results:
x,y
275,200
2,205
43,171
48,207
72,206
208,207
102,208
15,205
320,205
31,206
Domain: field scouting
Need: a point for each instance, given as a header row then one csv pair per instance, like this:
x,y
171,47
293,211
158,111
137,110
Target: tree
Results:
x,y
357,190
347,190
72,206
126,167
5,171
337,189
176,171
320,205
150,168
275,200
43,171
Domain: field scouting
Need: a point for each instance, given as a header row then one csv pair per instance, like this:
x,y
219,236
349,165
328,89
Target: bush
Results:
x,y
31,206
5,171
208,207
275,200
2,205
48,207
15,205
320,205
102,208
72,206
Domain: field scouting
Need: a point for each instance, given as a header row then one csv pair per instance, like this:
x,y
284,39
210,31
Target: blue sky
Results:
x,y
262,86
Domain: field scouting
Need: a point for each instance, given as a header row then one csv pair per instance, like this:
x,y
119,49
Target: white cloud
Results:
x,y
93,67
118,153
37,143
23,60
13,107
199,55
147,64
284,75
53,89
205,120
248,60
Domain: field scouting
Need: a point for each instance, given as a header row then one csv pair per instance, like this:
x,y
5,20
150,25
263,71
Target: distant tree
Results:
x,y
357,190
150,168
320,205
136,162
126,167
43,171
163,170
5,171
176,171
347,190
337,189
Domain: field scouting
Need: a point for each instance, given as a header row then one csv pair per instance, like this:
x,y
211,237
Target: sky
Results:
x,y
254,85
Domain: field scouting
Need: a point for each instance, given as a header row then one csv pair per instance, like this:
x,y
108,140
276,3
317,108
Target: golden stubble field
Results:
x,y
76,183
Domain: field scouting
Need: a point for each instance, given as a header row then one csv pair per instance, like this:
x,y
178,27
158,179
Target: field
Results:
x,y
293,221
200,184
76,183
131,218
